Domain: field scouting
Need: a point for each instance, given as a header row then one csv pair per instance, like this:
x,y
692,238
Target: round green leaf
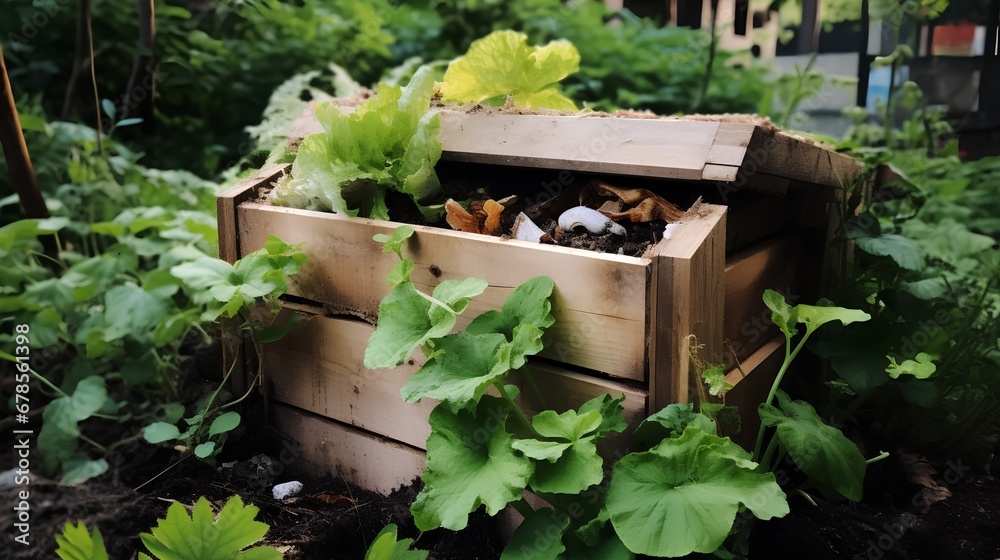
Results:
x,y
683,495
470,462
158,432
224,423
204,450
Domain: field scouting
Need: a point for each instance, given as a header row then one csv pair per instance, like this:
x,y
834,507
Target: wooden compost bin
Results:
x,y
622,323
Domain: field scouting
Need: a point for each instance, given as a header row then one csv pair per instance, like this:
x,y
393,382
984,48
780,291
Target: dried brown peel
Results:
x,y
645,205
483,216
459,218
491,226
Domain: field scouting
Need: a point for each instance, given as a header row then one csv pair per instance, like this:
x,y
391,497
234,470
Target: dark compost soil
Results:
x,y
332,520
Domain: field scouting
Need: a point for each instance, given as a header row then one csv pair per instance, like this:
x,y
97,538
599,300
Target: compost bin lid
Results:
x,y
738,151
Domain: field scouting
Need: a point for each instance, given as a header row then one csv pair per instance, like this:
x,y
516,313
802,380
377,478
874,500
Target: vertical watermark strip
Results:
x,y
22,435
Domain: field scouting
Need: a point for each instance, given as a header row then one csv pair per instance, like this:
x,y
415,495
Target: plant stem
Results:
x,y
877,458
765,461
41,378
100,447
807,497
510,402
534,389
789,357
703,93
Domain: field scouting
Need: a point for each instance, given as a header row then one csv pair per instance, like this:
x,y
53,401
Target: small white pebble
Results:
x,y
286,489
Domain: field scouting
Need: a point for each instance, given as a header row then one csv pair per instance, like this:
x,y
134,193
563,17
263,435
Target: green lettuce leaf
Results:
x,y
388,143
502,65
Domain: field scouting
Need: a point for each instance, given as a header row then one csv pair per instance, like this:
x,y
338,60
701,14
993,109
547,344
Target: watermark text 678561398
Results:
x,y
22,435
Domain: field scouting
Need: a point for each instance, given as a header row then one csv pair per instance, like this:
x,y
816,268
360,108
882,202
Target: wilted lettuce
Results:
x,y
502,64
388,142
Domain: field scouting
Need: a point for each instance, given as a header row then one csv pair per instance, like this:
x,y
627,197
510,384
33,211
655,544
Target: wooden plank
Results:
x,y
772,264
714,172
748,392
748,223
792,158
730,145
233,358
673,149
656,147
599,304
320,368
317,447
687,298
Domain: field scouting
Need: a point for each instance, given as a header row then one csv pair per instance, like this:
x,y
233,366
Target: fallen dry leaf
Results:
x,y
919,471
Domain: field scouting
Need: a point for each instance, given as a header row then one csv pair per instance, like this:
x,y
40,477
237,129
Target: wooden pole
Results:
x,y
15,151
138,98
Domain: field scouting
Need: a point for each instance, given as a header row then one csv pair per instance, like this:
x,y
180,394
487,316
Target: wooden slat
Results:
x,y
715,172
768,265
784,156
317,446
599,305
730,144
667,148
320,368
688,298
748,223
226,204
760,368
673,149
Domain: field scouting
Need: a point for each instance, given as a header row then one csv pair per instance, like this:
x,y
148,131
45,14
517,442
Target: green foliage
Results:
x,y
386,546
821,451
790,90
76,543
108,312
682,496
928,361
502,67
413,318
470,462
202,536
388,143
679,497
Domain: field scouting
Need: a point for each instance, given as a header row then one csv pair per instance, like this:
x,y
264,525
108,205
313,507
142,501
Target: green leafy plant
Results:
x,y
502,68
682,495
926,269
387,546
203,536
389,143
108,318
76,543
821,451
230,290
179,536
